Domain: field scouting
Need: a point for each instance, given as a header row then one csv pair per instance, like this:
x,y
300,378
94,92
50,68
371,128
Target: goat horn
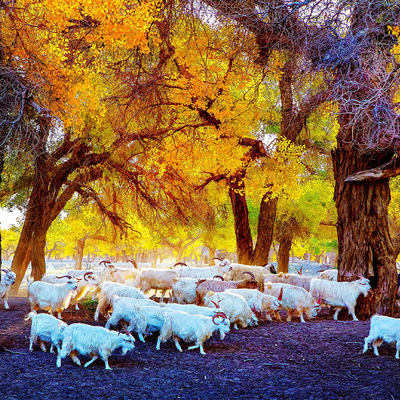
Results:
x,y
219,314
250,273
5,270
132,261
64,276
219,276
105,262
200,281
180,263
86,275
215,304
280,294
218,258
300,272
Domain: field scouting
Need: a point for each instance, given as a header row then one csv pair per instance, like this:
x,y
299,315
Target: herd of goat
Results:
x,y
203,300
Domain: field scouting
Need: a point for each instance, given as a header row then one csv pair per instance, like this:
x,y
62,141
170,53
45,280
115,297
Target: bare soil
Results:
x,y
316,360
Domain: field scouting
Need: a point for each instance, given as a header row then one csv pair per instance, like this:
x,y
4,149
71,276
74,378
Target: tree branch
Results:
x,y
385,171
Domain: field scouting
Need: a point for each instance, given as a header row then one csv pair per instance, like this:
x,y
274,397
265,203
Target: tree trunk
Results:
x,y
244,242
285,245
211,261
365,247
179,253
38,253
80,246
265,229
22,256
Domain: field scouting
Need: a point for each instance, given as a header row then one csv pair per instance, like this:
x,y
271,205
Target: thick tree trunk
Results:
x,y
22,256
80,246
38,253
265,229
244,242
285,245
365,247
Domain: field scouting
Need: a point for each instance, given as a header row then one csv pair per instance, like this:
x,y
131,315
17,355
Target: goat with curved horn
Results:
x,y
180,263
219,315
86,274
216,304
250,273
133,262
218,277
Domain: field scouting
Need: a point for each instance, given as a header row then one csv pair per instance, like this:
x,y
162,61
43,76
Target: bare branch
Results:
x,y
385,171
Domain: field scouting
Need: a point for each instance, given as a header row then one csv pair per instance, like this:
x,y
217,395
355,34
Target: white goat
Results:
x,y
340,294
383,329
46,328
294,299
259,273
330,274
108,290
51,297
260,303
86,280
234,306
5,284
129,311
184,290
193,328
157,318
157,279
93,341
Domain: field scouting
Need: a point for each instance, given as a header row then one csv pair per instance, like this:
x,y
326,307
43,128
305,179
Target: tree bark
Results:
x,y
22,256
365,247
211,260
38,253
80,246
244,242
265,229
284,253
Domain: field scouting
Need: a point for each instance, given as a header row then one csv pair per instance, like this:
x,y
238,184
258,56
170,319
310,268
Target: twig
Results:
x,y
13,352
276,365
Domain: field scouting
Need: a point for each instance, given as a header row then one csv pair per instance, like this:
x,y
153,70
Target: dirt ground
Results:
x,y
317,360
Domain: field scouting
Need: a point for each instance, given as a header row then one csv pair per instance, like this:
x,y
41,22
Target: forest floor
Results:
x,y
320,359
